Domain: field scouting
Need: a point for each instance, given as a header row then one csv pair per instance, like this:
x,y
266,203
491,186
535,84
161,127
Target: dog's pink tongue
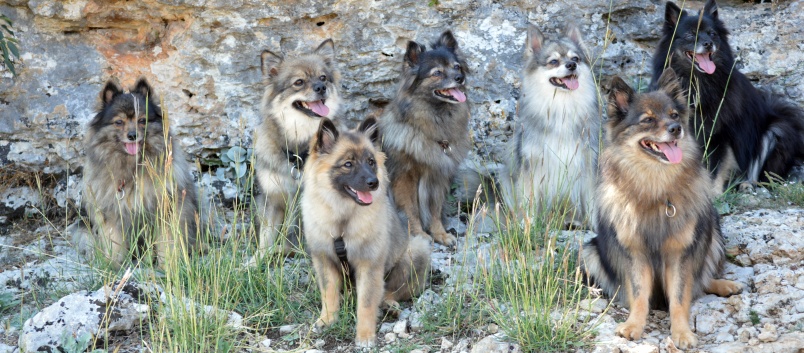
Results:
x,y
319,108
457,94
365,196
705,63
671,151
571,83
132,148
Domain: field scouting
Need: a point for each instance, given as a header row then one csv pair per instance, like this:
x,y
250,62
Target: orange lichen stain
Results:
x,y
131,41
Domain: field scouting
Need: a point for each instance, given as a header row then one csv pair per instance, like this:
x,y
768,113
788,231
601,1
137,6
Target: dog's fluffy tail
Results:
x,y
783,142
594,270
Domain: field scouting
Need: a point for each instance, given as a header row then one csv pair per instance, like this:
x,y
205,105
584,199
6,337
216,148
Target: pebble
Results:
x,y
266,343
400,327
445,344
768,333
286,329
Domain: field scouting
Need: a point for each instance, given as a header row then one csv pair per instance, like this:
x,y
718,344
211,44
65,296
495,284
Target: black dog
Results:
x,y
760,132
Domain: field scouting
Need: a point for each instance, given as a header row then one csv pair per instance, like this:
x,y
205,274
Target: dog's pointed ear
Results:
x,y
109,92
326,137
710,8
447,40
668,82
269,63
533,41
413,53
620,98
371,129
574,34
326,50
672,13
142,87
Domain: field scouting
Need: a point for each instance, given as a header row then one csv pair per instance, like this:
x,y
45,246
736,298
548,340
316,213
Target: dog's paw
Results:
x,y
324,321
629,330
445,238
392,308
684,339
746,187
365,342
724,288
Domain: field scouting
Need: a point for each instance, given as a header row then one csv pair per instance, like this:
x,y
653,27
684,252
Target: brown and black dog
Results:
x,y
351,223
426,133
659,240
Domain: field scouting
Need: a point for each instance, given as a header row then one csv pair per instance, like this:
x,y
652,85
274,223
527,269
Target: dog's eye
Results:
x,y
322,77
298,82
118,122
437,73
457,67
553,62
575,59
141,121
348,164
674,116
648,120
371,162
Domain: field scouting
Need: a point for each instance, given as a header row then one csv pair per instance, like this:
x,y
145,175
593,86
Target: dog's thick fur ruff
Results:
x,y
281,139
659,240
125,190
426,133
760,132
343,168
556,139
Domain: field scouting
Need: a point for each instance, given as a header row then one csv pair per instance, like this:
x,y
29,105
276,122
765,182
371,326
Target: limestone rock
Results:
x,y
78,314
494,344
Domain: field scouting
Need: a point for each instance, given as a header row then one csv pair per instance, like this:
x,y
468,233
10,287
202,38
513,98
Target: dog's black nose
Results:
x,y
571,65
319,87
674,129
707,44
132,135
372,183
459,78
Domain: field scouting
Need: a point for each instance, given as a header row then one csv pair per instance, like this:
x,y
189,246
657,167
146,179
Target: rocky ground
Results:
x,y
765,246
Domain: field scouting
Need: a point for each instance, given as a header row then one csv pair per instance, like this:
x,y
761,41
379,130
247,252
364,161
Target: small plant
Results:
x,y
7,302
789,193
77,344
8,43
754,317
235,166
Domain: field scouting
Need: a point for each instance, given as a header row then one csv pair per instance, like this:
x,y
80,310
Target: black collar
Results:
x,y
340,250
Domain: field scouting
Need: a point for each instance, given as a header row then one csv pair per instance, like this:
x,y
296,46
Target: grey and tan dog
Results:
x,y
659,241
426,133
128,146
553,162
350,223
299,91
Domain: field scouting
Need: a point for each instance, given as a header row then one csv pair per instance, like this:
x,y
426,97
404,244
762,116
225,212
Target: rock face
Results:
x,y
81,314
203,58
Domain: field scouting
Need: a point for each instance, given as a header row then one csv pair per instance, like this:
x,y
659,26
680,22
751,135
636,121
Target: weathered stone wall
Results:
x,y
202,56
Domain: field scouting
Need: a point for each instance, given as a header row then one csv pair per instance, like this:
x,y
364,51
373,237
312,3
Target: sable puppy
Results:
x,y
350,225
127,147
659,241
732,120
299,91
426,133
556,138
